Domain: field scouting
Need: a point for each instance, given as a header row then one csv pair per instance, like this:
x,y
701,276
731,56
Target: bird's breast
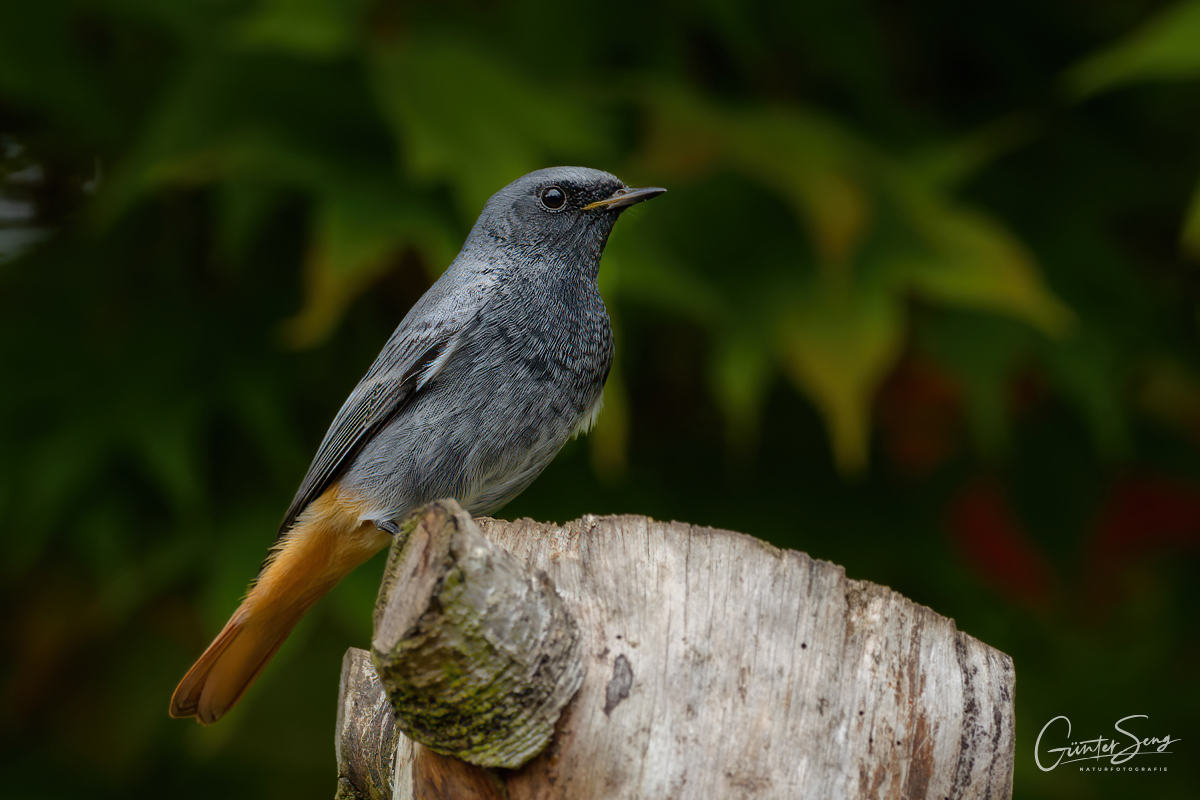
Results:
x,y
561,334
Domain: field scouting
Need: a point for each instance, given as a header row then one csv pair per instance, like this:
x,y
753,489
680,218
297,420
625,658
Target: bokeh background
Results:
x,y
922,301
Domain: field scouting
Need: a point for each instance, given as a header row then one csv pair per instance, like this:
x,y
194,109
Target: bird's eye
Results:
x,y
553,198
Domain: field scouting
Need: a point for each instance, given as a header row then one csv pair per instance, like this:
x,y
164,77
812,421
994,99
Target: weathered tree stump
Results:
x,y
716,667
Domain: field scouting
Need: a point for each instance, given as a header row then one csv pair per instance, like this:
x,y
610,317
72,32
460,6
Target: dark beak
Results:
x,y
624,198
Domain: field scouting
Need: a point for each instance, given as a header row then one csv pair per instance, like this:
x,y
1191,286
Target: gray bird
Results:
x,y
500,363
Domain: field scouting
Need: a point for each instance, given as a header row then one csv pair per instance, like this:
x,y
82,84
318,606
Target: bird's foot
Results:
x,y
387,526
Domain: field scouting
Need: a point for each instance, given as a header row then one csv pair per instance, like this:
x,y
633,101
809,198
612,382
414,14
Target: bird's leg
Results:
x,y
388,527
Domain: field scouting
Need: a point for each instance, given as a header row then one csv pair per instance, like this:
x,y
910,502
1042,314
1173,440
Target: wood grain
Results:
x,y
721,667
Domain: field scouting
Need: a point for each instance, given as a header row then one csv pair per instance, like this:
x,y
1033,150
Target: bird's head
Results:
x,y
559,215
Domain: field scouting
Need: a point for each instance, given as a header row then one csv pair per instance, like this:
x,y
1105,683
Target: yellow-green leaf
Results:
x,y
309,28
462,116
948,164
1087,370
1169,389
359,232
806,158
1165,48
740,373
812,163
1190,237
973,261
837,347
608,441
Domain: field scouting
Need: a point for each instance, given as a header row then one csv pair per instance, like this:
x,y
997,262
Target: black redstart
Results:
x,y
500,363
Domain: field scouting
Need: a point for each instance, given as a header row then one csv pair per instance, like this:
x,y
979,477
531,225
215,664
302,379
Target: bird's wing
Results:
x,y
411,358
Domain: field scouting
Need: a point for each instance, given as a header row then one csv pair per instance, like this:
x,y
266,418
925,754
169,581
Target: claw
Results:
x,y
387,526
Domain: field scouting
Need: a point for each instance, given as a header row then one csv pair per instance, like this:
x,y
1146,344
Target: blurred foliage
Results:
x,y
922,300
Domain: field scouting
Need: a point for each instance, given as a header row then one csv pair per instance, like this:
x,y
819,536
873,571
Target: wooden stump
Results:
x,y
716,667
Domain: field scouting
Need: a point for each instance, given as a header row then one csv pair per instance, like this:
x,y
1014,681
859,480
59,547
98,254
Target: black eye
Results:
x,y
553,198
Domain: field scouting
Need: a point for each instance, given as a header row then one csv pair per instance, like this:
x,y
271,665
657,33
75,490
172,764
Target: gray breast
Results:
x,y
528,372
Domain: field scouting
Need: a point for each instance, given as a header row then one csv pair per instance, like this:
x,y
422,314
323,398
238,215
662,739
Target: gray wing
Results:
x,y
410,359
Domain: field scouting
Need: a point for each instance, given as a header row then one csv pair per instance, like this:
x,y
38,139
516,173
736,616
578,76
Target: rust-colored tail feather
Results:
x,y
327,542
227,668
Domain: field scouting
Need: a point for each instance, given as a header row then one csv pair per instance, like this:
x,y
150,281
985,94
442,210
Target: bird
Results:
x,y
499,364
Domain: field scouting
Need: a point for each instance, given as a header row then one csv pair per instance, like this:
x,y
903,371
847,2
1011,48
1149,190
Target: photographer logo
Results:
x,y
1054,747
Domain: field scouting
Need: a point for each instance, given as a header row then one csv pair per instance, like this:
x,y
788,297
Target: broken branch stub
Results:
x,y
367,735
476,652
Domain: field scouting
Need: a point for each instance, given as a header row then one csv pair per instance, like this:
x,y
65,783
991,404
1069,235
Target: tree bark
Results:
x,y
367,735
476,652
721,667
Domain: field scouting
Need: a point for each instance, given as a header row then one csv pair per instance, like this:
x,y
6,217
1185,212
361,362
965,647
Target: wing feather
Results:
x,y
408,362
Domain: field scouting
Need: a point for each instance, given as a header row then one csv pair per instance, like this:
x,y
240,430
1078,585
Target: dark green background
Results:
x,y
921,300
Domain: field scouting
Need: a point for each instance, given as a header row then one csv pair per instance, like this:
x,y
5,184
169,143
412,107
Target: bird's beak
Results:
x,y
623,198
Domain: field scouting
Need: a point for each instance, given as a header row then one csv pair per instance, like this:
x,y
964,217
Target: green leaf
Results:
x,y
837,347
54,475
242,207
463,116
639,266
740,372
608,441
1166,48
947,165
168,442
971,260
1087,370
818,175
255,400
1169,389
816,165
882,230
1190,237
247,118
307,28
362,227
41,67
983,351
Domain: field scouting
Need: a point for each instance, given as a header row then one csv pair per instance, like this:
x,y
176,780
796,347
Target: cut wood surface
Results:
x,y
721,667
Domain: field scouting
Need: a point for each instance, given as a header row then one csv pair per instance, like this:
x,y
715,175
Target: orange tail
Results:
x,y
326,543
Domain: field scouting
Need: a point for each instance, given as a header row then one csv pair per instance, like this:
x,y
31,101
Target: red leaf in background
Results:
x,y
1143,515
920,416
989,538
